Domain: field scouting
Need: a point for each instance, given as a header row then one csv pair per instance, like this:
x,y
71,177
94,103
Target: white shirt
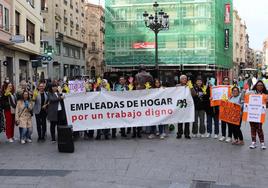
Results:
x,y
59,105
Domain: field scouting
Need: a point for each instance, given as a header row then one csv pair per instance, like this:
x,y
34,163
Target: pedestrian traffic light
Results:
x,y
49,51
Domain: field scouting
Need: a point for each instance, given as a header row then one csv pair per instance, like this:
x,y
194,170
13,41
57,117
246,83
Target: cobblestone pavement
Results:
x,y
135,163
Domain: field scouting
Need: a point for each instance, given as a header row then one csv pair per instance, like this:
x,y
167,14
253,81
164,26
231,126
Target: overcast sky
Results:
x,y
253,12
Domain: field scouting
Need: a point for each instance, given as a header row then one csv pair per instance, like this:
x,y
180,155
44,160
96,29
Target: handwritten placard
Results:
x,y
218,93
230,112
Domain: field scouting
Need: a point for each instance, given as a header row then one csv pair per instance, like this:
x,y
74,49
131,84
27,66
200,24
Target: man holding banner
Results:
x,y
184,82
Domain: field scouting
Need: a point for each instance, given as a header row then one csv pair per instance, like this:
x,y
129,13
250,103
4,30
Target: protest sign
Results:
x,y
77,86
230,112
100,110
217,93
254,108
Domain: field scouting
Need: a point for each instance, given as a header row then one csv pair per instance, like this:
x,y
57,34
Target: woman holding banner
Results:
x,y
256,128
105,86
89,88
228,139
235,129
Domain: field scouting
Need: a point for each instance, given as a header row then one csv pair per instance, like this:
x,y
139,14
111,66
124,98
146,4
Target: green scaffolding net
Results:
x,y
196,33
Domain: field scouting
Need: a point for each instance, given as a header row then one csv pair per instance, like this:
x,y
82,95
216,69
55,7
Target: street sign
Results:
x,y
226,38
46,58
17,39
49,58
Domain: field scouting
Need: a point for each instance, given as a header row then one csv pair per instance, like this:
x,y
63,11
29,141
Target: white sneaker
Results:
x,y
216,136
10,140
228,140
29,140
203,136
222,138
194,135
162,136
22,142
157,134
253,145
208,135
263,147
151,136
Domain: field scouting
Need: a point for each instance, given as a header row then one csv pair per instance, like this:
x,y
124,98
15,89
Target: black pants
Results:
x,y
53,125
89,133
123,130
186,131
223,129
113,132
236,131
41,124
105,132
137,130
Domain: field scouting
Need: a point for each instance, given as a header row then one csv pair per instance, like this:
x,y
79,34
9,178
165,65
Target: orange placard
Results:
x,y
217,93
230,112
247,113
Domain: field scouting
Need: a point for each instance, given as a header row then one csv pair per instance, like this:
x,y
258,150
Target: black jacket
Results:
x,y
199,98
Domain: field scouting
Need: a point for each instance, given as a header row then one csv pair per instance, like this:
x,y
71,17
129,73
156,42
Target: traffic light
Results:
x,y
49,51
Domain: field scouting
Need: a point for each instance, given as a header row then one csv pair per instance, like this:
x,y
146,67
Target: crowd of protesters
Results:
x,y
45,101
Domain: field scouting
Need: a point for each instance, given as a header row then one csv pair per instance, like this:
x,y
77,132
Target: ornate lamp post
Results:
x,y
158,22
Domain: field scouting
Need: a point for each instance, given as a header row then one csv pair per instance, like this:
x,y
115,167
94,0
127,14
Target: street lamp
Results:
x,y
156,23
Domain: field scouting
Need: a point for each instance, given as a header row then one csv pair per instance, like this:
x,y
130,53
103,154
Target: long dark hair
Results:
x,y
4,87
264,90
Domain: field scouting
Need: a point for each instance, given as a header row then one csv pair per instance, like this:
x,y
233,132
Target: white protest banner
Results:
x,y
254,108
217,93
109,109
77,86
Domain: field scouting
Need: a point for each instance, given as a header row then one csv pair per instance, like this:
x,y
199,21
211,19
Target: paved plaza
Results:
x,y
134,163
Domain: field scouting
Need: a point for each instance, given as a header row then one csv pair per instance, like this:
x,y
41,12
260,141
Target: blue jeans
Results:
x,y
25,133
209,124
